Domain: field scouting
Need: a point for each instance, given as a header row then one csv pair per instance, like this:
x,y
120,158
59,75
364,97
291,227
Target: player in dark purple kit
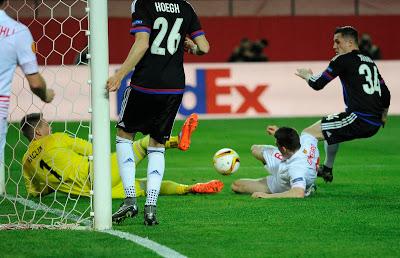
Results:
x,y
151,102
366,96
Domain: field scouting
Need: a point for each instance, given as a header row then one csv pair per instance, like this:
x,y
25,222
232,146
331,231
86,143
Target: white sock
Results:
x,y
330,154
126,165
155,173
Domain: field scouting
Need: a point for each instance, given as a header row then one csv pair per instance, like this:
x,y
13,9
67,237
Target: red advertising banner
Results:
x,y
214,90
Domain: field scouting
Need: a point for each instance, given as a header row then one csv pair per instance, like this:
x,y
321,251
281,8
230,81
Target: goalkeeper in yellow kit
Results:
x,y
61,162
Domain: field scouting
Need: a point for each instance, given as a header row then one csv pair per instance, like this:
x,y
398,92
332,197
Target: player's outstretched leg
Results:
x,y
214,186
150,218
127,209
188,128
326,173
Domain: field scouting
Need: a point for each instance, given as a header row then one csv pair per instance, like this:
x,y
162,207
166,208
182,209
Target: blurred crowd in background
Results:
x,y
368,48
249,51
253,51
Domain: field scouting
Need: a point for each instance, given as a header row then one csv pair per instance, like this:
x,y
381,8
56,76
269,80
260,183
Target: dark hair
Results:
x,y
264,42
287,137
348,31
28,124
2,2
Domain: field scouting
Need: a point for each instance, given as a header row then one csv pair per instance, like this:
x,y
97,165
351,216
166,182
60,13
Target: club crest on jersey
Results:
x,y
137,22
33,46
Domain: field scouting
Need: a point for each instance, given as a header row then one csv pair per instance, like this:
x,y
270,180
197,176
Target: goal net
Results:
x,y
59,29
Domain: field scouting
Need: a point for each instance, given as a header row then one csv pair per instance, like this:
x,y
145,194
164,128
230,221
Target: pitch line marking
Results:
x,y
161,250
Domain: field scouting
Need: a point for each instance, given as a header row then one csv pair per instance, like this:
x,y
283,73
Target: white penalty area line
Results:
x,y
156,247
161,250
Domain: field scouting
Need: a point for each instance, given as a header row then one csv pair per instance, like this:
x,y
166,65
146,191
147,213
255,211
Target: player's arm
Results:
x,y
385,93
258,150
27,61
78,145
295,192
39,88
271,129
136,53
199,46
82,147
319,81
141,28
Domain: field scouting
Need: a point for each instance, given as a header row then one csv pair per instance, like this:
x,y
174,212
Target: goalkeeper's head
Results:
x,y
34,126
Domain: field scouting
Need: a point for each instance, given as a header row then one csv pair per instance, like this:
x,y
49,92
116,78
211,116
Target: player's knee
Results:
x,y
316,132
307,130
155,143
255,150
123,134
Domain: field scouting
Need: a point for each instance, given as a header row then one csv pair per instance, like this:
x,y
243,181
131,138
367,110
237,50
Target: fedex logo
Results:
x,y
206,91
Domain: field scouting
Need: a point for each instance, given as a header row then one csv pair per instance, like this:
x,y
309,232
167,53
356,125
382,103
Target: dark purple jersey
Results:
x,y
168,22
364,91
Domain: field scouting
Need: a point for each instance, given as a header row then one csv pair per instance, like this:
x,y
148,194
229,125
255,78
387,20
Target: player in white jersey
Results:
x,y
16,48
292,165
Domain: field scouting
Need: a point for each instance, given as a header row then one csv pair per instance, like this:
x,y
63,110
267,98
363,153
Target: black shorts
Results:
x,y
345,127
152,114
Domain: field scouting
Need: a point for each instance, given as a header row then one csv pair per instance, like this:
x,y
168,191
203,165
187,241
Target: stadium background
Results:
x,y
297,31
285,23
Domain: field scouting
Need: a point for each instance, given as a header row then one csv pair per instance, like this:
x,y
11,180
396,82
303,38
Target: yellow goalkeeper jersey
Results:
x,y
58,162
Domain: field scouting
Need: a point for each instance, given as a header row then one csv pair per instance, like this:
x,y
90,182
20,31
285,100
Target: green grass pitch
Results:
x,y
355,216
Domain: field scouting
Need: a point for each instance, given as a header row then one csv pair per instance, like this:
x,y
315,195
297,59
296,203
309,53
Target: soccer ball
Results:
x,y
226,161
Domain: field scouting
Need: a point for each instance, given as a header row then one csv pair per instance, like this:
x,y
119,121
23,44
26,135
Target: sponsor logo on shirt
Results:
x,y
311,156
278,156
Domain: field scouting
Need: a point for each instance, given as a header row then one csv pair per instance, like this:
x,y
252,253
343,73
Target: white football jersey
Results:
x,y
300,170
16,48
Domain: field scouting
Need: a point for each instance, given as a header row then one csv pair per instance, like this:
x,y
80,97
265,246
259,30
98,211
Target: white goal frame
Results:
x,y
99,133
98,45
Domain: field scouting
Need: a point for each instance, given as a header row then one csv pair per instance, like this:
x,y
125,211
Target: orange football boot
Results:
x,y
188,128
214,186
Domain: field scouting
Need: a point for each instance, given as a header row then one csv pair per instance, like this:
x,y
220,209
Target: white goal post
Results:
x,y
81,109
98,45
